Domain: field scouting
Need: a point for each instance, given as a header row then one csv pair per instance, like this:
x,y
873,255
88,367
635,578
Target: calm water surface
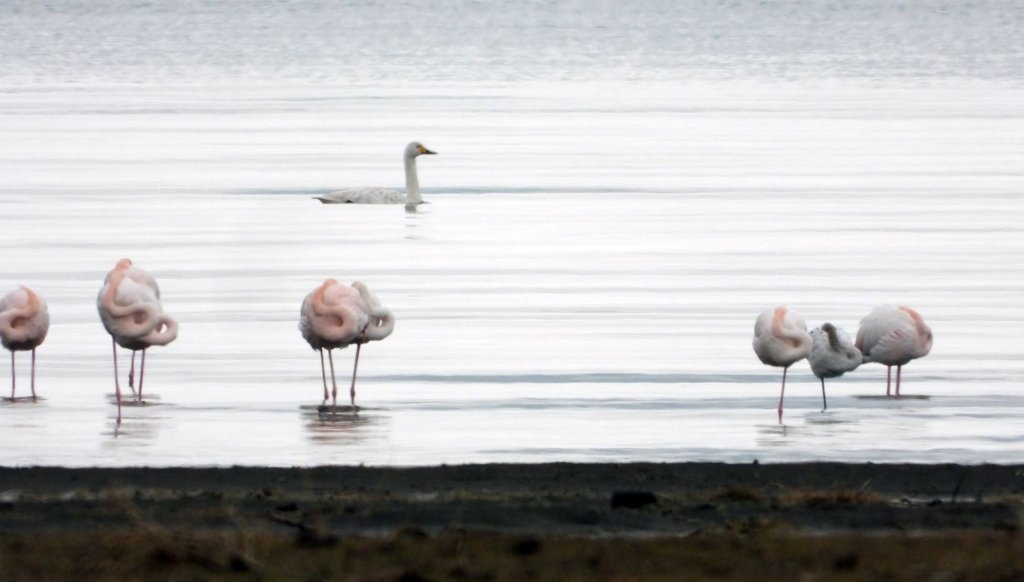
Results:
x,y
601,233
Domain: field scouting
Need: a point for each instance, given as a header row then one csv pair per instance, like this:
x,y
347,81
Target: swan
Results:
x,y
335,316
781,339
24,322
129,307
893,335
832,355
411,196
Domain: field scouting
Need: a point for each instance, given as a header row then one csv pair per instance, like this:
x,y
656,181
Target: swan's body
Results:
x,y
832,355
367,195
129,307
334,316
24,322
781,339
411,196
893,335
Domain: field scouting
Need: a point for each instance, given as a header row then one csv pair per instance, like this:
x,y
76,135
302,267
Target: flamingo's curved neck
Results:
x,y
318,297
833,337
136,319
412,182
33,301
164,332
333,322
29,310
12,319
779,329
924,333
918,320
116,276
382,323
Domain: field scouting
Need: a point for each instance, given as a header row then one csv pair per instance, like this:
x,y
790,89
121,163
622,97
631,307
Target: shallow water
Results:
x,y
582,285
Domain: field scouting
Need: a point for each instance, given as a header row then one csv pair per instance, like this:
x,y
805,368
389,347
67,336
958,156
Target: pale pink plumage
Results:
x,y
335,315
893,335
130,309
24,322
781,339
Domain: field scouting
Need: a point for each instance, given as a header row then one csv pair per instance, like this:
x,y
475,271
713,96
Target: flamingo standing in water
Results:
x,y
129,307
24,321
781,339
893,335
146,279
832,355
335,315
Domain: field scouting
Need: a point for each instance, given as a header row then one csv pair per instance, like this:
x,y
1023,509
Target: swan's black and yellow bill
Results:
x,y
424,150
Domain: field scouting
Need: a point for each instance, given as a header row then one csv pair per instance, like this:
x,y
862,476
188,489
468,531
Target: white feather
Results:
x,y
373,195
828,361
891,336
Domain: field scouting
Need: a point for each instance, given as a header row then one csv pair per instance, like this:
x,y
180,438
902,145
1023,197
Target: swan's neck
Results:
x,y
412,182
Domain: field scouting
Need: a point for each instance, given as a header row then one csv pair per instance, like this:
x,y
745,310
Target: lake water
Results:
x,y
617,195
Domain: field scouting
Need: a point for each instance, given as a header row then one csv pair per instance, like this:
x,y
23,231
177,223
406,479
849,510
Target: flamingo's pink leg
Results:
x,y
888,379
898,370
323,373
12,374
33,373
334,382
117,382
783,392
142,371
131,373
352,390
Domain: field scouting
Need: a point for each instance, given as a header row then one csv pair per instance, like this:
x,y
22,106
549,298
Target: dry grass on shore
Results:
x,y
559,522
748,553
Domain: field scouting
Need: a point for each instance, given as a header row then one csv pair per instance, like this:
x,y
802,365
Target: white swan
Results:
x,y
411,196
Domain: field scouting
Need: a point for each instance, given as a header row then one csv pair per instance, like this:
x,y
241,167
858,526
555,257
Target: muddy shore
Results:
x,y
247,515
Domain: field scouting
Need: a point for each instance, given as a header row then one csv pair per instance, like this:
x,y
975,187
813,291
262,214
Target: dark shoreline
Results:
x,y
567,498
712,520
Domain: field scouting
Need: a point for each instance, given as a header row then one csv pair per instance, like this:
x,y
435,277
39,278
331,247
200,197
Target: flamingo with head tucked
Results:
x,y
129,307
24,322
832,355
893,335
143,278
781,339
334,316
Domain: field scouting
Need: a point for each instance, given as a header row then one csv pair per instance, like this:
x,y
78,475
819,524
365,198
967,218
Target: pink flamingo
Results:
x,y
335,315
129,307
893,335
24,321
143,278
781,339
